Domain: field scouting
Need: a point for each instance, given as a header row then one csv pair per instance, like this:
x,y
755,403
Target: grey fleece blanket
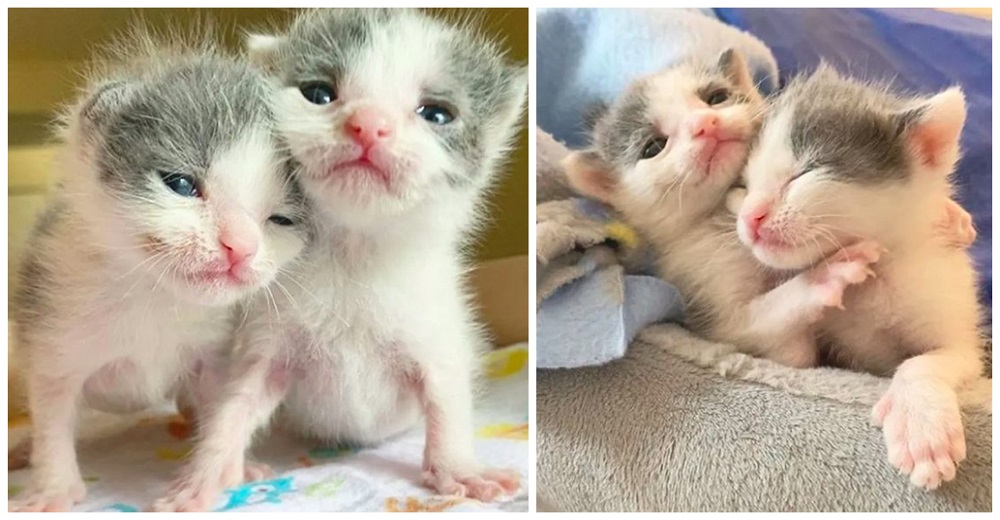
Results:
x,y
683,424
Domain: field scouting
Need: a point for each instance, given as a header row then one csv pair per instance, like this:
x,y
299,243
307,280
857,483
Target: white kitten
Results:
x,y
398,123
847,169
172,205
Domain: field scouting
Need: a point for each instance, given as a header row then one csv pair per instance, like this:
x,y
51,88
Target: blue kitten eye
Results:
x,y
281,220
719,96
436,114
654,147
318,93
180,184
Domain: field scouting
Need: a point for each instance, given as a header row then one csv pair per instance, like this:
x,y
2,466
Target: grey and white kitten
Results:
x,y
848,168
398,123
173,204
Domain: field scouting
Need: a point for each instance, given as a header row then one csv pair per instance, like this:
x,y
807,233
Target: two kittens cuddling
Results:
x,y
273,235
816,226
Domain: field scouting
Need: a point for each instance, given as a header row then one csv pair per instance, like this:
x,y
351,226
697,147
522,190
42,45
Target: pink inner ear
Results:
x,y
928,145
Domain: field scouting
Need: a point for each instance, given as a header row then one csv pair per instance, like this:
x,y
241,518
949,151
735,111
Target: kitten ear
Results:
x,y
732,64
590,175
263,48
933,128
105,101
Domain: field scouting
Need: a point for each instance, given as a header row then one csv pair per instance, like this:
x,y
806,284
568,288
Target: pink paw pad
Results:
x,y
485,486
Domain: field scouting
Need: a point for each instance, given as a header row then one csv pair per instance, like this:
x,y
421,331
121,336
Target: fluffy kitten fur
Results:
x,y
845,165
125,289
375,329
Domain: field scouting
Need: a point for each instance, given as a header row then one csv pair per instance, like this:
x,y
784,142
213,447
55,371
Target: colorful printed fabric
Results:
x,y
126,471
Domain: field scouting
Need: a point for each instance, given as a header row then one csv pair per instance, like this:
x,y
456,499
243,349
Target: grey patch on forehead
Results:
x,y
625,129
178,117
323,44
846,128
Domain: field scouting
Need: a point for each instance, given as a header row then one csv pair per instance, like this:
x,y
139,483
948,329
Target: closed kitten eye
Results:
x,y
717,97
318,93
654,147
180,184
436,114
281,220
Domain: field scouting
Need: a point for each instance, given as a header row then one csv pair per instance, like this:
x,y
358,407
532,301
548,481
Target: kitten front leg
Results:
x,y
256,387
450,465
920,417
779,321
56,484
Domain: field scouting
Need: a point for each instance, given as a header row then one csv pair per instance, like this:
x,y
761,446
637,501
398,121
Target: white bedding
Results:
x,y
127,469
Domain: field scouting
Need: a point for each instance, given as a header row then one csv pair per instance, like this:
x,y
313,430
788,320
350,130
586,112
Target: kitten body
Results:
x,y
159,225
842,165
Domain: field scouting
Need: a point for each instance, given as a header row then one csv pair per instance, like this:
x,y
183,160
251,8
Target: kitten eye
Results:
x,y
654,147
180,184
281,220
436,114
717,97
318,93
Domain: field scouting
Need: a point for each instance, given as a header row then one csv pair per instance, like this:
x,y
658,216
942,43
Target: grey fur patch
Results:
x,y
847,130
326,44
177,118
626,128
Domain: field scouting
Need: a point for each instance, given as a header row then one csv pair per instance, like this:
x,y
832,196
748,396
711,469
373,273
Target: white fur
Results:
x,y
919,314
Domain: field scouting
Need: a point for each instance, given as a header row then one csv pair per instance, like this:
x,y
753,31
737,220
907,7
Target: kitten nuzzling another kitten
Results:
x,y
665,155
851,169
173,204
397,123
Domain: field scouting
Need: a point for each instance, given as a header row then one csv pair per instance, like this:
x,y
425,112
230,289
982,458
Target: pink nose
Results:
x,y
704,124
368,126
754,220
239,249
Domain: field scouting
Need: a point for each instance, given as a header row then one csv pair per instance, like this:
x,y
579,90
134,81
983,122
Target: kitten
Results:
x,y
398,123
172,206
850,167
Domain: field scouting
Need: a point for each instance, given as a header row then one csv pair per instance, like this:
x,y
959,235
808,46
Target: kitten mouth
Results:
x,y
226,278
360,166
720,152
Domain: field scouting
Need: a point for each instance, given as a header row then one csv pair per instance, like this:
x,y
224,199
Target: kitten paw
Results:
x,y
957,226
923,431
199,491
256,471
846,267
485,485
52,499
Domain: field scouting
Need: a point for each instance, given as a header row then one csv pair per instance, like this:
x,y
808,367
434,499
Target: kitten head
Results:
x,y
681,132
185,179
839,160
385,109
